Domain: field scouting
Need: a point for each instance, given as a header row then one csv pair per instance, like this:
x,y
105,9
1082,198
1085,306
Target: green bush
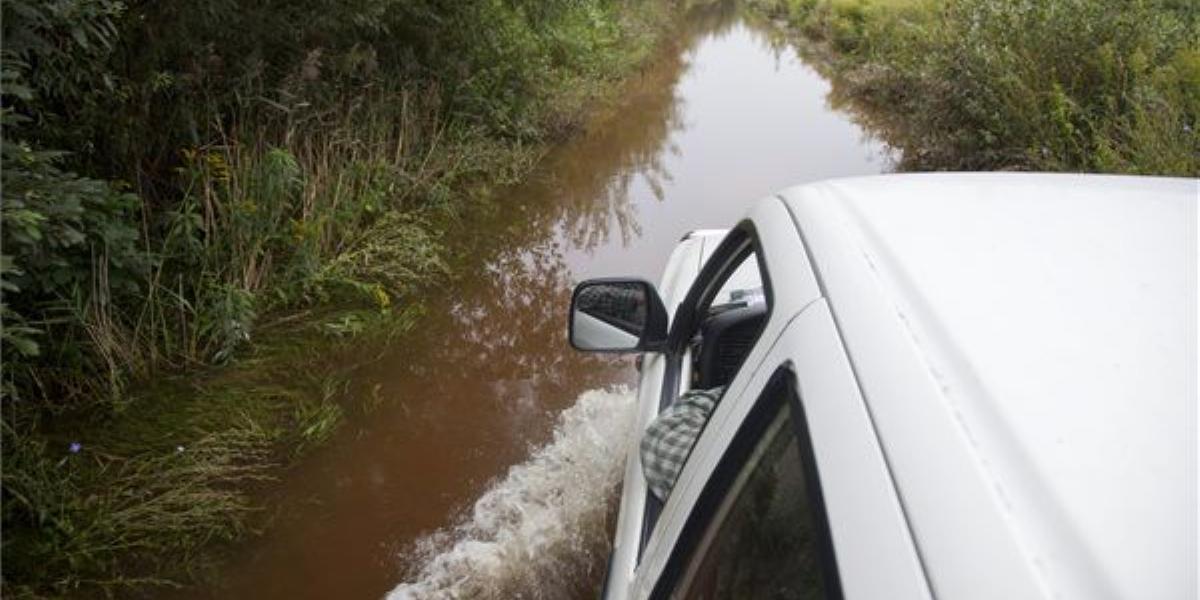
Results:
x,y
227,153
71,255
176,174
1071,85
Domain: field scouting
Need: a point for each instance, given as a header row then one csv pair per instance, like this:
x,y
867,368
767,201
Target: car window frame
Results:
x,y
732,464
742,240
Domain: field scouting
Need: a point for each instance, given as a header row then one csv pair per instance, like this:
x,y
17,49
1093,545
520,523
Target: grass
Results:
x,y
1077,85
194,493
154,489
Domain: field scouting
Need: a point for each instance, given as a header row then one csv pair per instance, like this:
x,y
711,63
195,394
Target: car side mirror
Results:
x,y
617,315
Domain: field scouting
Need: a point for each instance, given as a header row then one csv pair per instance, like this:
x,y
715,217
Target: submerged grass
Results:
x,y
195,493
144,496
1052,85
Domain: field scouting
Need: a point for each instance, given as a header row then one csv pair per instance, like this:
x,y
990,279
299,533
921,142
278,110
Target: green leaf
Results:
x,y
25,346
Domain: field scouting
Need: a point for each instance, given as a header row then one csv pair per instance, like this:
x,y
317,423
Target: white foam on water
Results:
x,y
541,531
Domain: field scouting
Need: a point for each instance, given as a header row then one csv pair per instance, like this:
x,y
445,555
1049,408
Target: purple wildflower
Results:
x,y
75,447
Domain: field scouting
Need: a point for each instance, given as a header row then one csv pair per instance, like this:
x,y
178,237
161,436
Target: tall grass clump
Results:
x,y
197,493
179,179
1055,85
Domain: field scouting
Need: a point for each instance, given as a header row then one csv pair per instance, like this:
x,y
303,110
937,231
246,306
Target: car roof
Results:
x,y
1049,322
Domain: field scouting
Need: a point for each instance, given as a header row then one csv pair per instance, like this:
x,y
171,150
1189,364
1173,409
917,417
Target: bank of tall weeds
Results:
x,y
195,184
1054,85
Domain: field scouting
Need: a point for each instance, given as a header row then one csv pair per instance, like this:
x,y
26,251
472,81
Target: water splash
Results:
x,y
541,531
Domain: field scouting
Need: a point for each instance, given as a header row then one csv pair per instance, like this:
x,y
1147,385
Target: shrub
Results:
x,y
1074,85
177,173
227,153
72,255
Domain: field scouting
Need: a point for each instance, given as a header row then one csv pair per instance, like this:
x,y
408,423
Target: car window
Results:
x,y
744,284
759,529
729,325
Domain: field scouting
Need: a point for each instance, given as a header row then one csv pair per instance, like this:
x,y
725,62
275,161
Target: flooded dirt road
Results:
x,y
470,404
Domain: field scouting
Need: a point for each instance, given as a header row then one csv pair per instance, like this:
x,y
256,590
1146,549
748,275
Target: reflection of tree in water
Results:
x,y
517,322
585,187
507,323
844,95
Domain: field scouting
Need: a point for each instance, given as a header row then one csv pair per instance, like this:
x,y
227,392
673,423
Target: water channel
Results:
x,y
493,462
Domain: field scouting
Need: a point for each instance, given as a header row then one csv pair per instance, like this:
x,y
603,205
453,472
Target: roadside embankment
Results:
x,y
205,207
1051,85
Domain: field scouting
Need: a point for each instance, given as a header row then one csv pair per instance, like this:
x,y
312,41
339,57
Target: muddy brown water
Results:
x,y
721,119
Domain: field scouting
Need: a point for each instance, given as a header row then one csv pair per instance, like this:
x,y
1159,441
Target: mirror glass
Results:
x,y
609,315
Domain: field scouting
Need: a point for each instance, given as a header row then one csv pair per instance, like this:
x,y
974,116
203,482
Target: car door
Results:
x,y
668,372
786,493
767,231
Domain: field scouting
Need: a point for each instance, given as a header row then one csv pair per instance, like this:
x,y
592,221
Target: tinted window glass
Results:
x,y
763,541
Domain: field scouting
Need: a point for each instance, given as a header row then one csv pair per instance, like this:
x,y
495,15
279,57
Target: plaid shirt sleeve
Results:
x,y
669,439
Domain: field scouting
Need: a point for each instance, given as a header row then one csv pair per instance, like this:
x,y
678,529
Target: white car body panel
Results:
x,y
1032,339
999,373
858,491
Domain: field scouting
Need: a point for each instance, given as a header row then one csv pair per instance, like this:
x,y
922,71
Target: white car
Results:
x,y
954,386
